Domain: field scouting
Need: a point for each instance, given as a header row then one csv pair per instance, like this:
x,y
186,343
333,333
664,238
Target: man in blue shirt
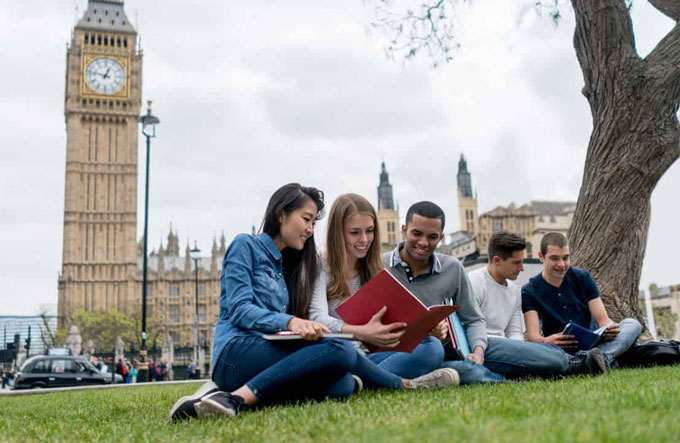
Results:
x,y
561,294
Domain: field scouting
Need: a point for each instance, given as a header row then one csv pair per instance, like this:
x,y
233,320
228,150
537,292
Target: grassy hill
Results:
x,y
624,405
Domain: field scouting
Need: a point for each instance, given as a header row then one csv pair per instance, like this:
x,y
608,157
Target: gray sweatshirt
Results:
x,y
321,309
447,283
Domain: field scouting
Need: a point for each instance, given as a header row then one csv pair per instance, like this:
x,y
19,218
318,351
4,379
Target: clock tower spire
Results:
x,y
101,108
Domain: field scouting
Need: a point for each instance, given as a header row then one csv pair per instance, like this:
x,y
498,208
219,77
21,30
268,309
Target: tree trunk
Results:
x,y
635,139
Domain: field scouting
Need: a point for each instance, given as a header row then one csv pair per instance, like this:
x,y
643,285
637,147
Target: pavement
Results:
x,y
22,392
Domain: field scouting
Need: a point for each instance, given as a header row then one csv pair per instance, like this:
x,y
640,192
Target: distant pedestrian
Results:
x,y
133,373
4,377
165,373
191,370
126,372
152,370
158,372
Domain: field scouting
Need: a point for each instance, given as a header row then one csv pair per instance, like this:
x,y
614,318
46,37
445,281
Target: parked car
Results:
x,y
51,371
105,370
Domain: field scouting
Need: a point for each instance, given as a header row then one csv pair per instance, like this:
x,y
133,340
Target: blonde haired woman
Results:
x,y
353,257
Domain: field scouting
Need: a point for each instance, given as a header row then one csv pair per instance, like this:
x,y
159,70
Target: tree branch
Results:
x,y
603,38
663,63
670,8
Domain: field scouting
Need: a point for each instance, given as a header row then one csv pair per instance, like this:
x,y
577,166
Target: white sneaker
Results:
x,y
439,378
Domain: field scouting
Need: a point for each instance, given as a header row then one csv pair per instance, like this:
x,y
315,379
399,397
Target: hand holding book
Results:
x,y
612,331
588,339
565,341
307,329
376,333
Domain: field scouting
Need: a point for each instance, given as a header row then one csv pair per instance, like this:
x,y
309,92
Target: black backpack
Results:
x,y
651,353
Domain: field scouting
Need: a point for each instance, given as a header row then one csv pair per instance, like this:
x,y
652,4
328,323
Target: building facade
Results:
x,y
666,308
388,213
530,221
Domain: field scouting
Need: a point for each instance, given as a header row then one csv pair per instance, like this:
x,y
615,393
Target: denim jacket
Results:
x,y
253,298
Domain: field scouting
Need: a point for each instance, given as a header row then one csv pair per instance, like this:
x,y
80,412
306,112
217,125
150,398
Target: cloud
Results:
x,y
254,95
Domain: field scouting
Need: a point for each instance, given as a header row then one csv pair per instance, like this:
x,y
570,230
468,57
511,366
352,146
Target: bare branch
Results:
x,y
429,28
670,8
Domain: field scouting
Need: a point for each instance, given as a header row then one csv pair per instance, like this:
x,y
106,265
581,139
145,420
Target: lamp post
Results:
x,y
195,256
149,123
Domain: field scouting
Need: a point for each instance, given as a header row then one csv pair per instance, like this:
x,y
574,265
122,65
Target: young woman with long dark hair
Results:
x,y
266,286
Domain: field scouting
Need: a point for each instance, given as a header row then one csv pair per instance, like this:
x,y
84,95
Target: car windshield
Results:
x,y
89,366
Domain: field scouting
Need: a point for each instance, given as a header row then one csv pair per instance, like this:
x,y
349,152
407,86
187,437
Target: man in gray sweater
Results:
x,y
434,278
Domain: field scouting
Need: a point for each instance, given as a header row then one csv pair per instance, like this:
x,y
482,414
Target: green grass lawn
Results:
x,y
625,405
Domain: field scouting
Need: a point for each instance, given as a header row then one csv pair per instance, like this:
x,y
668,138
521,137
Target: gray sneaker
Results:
x,y
184,407
439,378
219,404
358,384
596,362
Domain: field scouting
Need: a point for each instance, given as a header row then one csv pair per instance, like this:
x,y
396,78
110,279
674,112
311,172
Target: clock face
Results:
x,y
105,75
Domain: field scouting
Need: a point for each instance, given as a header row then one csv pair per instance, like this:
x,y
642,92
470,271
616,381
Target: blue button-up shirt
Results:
x,y
558,306
253,298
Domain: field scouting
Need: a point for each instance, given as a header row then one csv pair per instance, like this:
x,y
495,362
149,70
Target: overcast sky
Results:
x,y
252,95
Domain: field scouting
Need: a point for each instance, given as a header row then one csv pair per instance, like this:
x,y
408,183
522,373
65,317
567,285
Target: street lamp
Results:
x,y
195,256
149,123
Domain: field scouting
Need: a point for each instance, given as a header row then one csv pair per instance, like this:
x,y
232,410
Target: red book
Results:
x,y
402,306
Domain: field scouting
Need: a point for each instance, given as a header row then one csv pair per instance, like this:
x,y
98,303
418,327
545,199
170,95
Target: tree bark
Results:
x,y
635,139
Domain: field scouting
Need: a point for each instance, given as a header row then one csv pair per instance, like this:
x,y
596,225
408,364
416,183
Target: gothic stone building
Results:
x,y
530,221
171,289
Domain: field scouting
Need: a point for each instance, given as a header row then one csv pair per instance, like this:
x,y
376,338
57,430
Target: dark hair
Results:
x,y
300,268
503,244
552,239
426,209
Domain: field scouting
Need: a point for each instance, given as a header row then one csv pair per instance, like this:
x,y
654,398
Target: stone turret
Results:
x,y
161,260
214,258
223,245
173,244
187,259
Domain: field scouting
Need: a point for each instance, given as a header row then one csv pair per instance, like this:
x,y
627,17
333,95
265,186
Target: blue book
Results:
x,y
586,338
461,341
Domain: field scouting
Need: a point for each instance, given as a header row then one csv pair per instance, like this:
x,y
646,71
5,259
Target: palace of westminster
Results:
x,y
102,260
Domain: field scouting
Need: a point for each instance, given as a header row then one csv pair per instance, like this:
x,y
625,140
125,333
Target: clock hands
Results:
x,y
105,75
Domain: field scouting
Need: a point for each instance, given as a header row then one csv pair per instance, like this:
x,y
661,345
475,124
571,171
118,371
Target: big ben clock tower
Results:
x,y
102,105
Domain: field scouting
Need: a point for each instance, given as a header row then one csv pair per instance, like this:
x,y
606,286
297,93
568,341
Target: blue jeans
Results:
x,y
426,357
519,358
295,370
471,373
630,331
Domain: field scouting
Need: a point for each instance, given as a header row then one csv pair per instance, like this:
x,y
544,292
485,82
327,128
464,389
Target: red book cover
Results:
x,y
402,306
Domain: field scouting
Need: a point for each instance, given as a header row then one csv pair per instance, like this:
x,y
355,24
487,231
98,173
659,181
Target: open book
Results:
x,y
586,338
290,335
402,306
